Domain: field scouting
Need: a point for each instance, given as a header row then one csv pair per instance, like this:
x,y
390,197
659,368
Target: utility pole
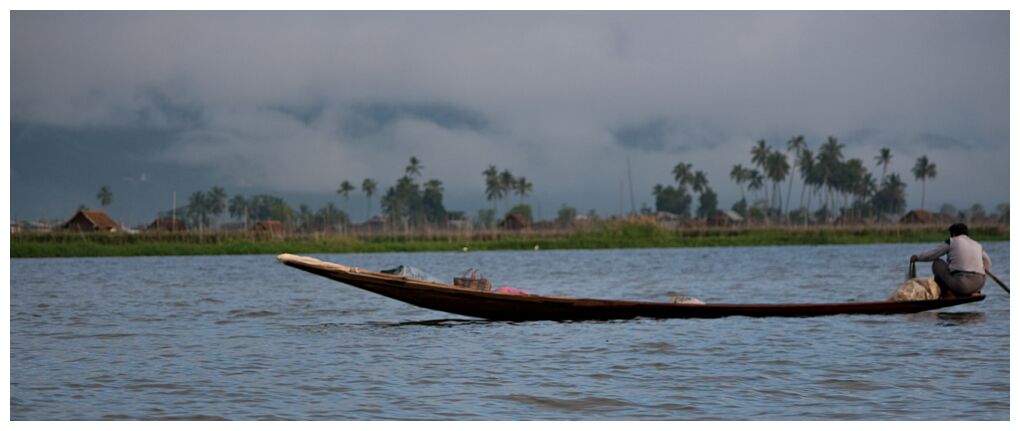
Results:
x,y
173,213
633,209
621,198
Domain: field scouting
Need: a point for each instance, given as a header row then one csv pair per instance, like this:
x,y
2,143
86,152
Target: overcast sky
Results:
x,y
293,103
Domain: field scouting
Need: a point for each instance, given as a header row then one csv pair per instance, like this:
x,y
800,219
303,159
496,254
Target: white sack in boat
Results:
x,y
916,289
680,299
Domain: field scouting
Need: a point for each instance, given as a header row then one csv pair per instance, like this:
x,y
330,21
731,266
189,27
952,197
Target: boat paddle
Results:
x,y
1001,284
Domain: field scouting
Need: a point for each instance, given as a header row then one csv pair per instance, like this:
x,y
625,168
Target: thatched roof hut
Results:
x,y
90,220
515,221
918,216
168,224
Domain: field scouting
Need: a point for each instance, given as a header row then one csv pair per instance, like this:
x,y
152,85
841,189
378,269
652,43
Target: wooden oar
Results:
x,y
1001,284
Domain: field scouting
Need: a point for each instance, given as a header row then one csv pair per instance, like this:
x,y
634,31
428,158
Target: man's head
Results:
x,y
957,229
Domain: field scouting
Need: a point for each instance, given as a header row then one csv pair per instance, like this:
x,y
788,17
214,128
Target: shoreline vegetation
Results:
x,y
620,235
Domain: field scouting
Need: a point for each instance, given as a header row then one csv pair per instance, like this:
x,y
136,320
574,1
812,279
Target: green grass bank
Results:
x,y
604,236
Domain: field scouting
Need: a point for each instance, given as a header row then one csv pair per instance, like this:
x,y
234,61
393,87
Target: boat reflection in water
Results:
x,y
959,319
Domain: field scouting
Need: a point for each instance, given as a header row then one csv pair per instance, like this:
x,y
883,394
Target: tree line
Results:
x,y
831,186
839,186
407,203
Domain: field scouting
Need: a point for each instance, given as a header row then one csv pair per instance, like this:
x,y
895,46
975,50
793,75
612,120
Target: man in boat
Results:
x,y
962,274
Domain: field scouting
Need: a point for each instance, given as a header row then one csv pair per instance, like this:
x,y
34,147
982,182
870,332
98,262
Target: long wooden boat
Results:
x,y
497,306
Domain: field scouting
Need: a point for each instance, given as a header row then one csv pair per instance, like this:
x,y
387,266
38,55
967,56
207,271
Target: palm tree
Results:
x,y
522,187
883,158
432,202
759,154
490,172
851,180
867,186
414,167
345,190
807,174
434,186
105,196
493,191
368,186
922,171
776,169
682,173
832,148
217,201
755,181
699,182
238,209
830,156
402,202
797,145
739,175
891,196
506,183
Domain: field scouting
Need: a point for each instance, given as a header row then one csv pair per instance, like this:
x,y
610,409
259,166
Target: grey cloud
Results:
x,y
305,113
650,136
861,135
366,119
157,107
297,101
668,135
942,142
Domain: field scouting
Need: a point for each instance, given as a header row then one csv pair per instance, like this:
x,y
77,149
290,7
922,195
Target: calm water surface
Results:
x,y
243,337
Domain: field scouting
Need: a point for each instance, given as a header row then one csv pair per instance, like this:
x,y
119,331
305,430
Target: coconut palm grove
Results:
x,y
780,185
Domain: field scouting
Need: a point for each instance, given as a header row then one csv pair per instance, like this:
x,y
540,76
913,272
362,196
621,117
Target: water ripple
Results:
x,y
242,338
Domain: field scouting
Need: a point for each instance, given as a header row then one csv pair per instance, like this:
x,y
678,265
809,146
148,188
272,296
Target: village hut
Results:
x,y
918,216
169,224
90,220
515,221
725,218
668,220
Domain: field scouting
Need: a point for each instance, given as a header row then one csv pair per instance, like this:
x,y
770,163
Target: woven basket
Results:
x,y
471,279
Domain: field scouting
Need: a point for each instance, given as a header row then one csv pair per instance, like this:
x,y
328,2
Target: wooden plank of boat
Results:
x,y
497,306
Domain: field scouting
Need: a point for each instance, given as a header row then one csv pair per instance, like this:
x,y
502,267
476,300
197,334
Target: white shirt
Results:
x,y
964,253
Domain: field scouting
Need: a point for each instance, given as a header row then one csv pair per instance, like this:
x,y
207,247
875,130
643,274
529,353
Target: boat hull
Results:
x,y
496,306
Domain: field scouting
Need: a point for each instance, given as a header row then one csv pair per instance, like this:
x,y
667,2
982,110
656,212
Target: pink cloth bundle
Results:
x,y
511,291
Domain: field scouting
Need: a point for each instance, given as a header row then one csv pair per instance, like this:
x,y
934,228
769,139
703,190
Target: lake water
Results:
x,y
246,338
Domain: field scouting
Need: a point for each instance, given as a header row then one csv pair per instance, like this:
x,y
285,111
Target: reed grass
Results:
x,y
599,236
